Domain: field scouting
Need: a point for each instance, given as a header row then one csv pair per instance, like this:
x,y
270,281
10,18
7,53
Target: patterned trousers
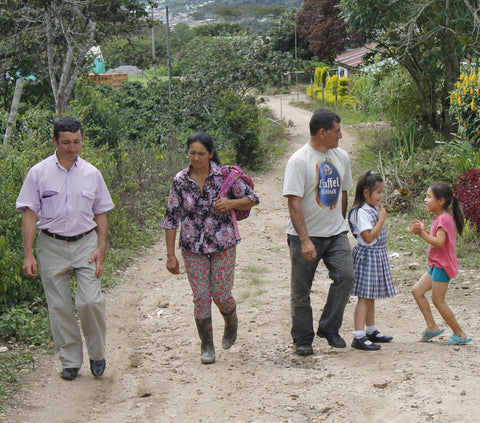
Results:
x,y
211,277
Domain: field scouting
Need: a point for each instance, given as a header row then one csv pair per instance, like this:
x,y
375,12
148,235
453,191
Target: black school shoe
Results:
x,y
375,338
70,373
362,344
97,367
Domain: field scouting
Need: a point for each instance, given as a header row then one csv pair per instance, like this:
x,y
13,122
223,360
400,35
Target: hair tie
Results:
x,y
453,195
371,172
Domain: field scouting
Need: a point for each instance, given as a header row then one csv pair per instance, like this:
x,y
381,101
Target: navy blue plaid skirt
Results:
x,y
373,278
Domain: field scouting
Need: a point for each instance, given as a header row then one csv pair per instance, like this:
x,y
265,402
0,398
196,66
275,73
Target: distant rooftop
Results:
x,y
353,58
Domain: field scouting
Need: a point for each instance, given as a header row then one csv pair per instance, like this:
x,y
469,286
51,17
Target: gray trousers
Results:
x,y
337,256
56,260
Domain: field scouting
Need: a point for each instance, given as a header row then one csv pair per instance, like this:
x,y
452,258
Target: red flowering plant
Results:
x,y
467,190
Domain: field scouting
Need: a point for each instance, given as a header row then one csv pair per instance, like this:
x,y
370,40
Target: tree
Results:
x,y
58,36
233,63
217,29
283,37
429,38
320,22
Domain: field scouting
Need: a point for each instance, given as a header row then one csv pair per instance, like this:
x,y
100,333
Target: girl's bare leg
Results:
x,y
360,314
439,291
424,285
370,318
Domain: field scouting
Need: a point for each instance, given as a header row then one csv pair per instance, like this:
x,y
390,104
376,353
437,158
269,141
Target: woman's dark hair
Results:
x,y
442,190
367,181
67,124
207,142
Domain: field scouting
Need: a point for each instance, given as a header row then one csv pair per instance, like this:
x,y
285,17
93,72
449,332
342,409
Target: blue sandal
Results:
x,y
456,340
427,335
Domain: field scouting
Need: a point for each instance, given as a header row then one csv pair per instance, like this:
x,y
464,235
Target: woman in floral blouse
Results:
x,y
207,237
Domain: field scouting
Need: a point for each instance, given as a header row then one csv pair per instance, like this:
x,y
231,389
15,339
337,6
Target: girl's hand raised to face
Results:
x,y
382,212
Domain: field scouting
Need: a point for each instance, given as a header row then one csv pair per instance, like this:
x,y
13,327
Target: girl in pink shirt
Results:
x,y
442,261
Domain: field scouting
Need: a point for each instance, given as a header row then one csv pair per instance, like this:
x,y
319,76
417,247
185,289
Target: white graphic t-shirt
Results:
x,y
319,179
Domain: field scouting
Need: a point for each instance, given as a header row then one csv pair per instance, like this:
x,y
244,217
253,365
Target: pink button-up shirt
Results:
x,y
65,202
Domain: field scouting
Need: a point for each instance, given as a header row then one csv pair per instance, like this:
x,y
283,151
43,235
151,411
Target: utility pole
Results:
x,y
296,61
153,42
169,62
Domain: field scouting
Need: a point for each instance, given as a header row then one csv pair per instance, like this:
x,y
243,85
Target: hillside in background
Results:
x,y
224,10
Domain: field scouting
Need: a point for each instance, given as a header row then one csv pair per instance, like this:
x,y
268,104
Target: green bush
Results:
x,y
27,321
398,98
379,149
96,109
238,125
365,90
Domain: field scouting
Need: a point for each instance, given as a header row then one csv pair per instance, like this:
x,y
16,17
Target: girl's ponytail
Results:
x,y
443,190
457,215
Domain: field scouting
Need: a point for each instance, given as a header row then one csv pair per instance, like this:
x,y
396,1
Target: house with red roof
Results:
x,y
350,61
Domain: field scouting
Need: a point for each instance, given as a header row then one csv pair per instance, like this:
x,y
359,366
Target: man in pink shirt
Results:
x,y
66,199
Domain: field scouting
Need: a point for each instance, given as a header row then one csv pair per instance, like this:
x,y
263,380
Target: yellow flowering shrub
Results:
x,y
465,107
335,89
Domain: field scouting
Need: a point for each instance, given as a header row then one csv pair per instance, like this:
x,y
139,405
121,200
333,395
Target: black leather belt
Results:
x,y
67,238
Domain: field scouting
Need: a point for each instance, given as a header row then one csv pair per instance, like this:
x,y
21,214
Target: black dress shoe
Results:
x,y
363,344
374,337
97,367
303,350
70,373
333,339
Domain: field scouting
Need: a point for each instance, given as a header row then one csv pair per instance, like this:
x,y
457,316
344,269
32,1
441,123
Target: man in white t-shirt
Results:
x,y
317,178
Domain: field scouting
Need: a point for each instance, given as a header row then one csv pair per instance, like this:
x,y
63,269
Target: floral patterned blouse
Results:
x,y
204,230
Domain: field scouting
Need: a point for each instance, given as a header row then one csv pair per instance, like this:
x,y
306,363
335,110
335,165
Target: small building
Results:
x,y
113,79
350,61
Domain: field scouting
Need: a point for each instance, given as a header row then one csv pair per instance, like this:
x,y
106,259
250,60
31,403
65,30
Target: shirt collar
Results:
x,y
215,169
57,162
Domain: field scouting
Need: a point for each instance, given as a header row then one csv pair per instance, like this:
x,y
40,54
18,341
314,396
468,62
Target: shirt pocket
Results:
x,y
86,201
49,204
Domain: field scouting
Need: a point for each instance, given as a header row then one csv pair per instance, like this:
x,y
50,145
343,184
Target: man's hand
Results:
x,y
98,257
30,266
308,250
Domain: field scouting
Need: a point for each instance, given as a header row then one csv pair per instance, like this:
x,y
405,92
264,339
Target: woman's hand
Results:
x,y
223,204
172,265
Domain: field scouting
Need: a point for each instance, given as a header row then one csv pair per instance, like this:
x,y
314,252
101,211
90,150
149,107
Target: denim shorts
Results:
x,y
438,274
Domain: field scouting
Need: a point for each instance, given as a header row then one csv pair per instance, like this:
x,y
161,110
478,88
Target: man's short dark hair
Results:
x,y
67,124
323,119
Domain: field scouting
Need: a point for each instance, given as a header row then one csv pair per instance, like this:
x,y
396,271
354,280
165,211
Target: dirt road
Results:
x,y
154,372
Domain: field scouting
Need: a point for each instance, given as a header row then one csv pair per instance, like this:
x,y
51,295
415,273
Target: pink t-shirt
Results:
x,y
64,202
445,257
